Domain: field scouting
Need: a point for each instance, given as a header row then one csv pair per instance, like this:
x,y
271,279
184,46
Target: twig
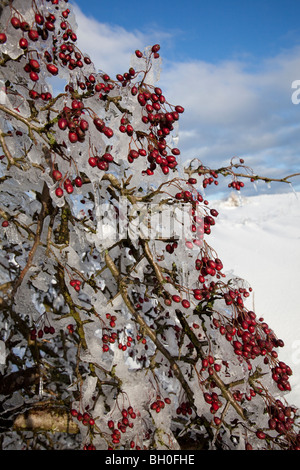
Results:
x,y
45,199
148,331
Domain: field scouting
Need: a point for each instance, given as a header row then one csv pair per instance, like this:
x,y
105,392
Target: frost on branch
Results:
x,y
115,311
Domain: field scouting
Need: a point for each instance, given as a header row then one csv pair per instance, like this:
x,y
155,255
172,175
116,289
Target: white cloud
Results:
x,y
111,46
232,109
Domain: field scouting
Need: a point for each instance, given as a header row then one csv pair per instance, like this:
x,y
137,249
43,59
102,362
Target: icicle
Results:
x,y
293,190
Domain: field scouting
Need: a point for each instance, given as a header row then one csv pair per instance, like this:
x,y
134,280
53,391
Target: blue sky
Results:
x,y
207,30
231,64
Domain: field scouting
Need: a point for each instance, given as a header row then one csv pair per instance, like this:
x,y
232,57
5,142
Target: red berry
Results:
x,y
73,137
34,76
108,132
33,35
56,175
15,22
69,188
49,26
92,161
179,109
84,125
23,43
39,18
111,424
155,48
78,182
33,94
185,303
24,26
34,65
52,69
260,434
217,421
59,192
62,123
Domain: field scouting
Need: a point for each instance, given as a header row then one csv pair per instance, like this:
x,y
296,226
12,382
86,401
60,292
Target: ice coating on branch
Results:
x,y
154,69
2,356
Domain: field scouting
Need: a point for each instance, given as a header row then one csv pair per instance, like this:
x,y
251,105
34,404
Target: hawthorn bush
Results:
x,y
120,328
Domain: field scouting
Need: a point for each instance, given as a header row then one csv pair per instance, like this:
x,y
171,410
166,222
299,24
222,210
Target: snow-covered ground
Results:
x,y
258,239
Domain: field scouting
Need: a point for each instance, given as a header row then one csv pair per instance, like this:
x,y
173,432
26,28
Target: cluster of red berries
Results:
x,y
67,184
108,338
250,338
45,96
160,120
213,400
42,26
237,185
34,333
157,152
126,344
76,284
141,339
209,178
63,50
208,267
154,52
101,127
85,418
159,404
70,328
280,374
111,336
68,54
126,128
184,302
49,24
184,409
208,363
185,196
101,162
281,417
235,296
126,77
33,69
71,119
204,293
120,426
89,447
281,420
209,221
171,247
